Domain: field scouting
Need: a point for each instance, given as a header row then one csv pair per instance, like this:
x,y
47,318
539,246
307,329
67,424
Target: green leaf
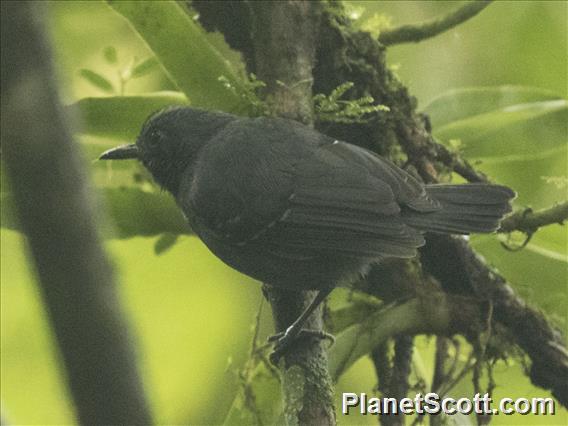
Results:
x,y
513,143
349,307
360,339
132,211
110,55
144,68
552,238
191,62
524,173
165,242
135,212
459,104
97,80
121,117
264,408
529,128
538,272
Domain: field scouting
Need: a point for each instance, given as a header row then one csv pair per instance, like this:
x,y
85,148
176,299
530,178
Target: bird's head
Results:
x,y
170,141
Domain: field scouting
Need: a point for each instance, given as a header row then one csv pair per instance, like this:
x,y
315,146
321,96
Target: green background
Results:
x,y
191,315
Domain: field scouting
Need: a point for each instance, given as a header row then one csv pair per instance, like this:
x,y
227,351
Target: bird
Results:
x,y
294,208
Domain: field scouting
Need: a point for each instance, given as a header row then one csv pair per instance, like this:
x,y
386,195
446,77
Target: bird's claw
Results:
x,y
285,339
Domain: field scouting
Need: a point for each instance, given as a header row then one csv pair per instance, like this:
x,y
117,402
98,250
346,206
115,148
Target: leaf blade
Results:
x,y
191,62
144,68
121,117
110,55
132,213
97,80
459,104
519,129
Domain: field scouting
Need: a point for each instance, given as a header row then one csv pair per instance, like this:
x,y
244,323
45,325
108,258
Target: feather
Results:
x,y
464,208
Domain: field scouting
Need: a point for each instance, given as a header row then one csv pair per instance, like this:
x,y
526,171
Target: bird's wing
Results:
x,y
409,192
307,200
346,203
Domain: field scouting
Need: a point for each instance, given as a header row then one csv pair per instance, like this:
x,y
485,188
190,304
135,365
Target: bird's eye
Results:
x,y
156,137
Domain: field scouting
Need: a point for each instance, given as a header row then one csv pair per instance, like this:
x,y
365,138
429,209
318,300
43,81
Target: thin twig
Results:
x,y
440,375
247,374
254,343
480,347
419,32
398,386
470,363
529,221
383,368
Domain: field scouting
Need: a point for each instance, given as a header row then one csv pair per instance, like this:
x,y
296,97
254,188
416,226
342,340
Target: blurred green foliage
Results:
x,y
495,89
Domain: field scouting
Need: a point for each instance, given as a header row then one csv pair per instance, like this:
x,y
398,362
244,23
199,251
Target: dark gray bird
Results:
x,y
292,207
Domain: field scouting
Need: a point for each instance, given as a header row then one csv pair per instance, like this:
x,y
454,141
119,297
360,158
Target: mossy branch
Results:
x,y
457,163
419,32
528,221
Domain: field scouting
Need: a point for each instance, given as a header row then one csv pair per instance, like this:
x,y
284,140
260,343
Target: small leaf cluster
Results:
x,y
333,108
134,69
249,93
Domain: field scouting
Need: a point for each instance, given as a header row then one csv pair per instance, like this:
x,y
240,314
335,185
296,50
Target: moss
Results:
x,y
359,58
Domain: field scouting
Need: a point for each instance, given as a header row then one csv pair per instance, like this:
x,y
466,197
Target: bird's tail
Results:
x,y
465,209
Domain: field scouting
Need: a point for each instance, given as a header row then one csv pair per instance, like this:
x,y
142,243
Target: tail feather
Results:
x,y
464,209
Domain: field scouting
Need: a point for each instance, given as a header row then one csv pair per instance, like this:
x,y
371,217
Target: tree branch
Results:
x,y
427,313
418,32
456,163
395,280
529,221
460,270
57,214
284,36
398,385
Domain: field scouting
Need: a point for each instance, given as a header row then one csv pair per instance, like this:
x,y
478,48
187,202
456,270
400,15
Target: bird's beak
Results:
x,y
122,152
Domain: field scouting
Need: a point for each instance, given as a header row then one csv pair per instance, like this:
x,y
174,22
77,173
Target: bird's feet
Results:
x,y
285,339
